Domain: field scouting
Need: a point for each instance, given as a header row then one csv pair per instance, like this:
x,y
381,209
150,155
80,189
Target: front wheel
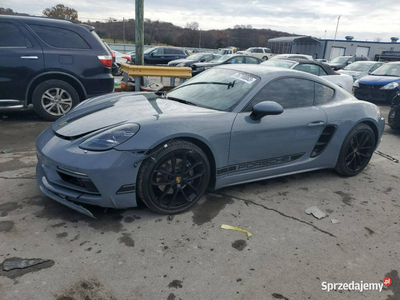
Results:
x,y
356,150
174,178
54,98
394,118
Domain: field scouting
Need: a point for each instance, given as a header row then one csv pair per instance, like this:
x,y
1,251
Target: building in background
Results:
x,y
329,49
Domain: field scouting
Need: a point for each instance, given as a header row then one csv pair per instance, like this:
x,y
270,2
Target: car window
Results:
x,y
323,94
11,36
251,60
266,50
60,38
159,51
170,51
374,67
208,57
353,59
237,60
308,68
257,50
288,92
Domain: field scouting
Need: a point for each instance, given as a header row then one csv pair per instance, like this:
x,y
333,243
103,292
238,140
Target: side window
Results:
x,y
251,60
308,68
288,92
322,72
159,51
169,51
208,57
237,60
267,50
257,50
11,36
323,94
59,37
376,66
353,59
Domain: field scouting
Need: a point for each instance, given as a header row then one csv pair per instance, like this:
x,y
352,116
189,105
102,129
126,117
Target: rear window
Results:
x,y
60,38
323,94
11,36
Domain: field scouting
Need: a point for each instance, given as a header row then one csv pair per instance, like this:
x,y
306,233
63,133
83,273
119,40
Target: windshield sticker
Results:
x,y
244,77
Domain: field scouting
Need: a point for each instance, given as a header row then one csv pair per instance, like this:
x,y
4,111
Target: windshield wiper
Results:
x,y
229,84
180,100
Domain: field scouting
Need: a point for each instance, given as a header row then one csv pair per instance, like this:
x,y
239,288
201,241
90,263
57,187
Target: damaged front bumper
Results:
x,y
73,176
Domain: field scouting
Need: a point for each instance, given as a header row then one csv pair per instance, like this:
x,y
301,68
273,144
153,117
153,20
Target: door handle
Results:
x,y
30,57
316,123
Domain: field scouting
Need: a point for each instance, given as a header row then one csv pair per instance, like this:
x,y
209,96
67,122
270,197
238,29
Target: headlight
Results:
x,y
356,83
378,111
110,138
390,86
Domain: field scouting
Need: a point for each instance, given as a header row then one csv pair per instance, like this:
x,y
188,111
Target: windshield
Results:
x,y
339,60
195,57
388,70
220,59
149,50
219,89
223,51
279,63
358,66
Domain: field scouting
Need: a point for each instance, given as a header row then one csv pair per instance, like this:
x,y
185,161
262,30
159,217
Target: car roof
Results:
x,y
368,62
45,20
394,62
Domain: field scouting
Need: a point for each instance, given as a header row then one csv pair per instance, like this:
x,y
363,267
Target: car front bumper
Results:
x,y
374,95
71,175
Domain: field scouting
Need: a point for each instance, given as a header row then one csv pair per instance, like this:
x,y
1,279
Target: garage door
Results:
x,y
336,51
362,51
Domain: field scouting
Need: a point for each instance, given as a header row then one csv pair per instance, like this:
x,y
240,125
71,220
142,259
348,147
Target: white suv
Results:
x,y
259,52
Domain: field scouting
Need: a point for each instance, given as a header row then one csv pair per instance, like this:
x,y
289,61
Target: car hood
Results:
x,y
379,80
118,108
348,72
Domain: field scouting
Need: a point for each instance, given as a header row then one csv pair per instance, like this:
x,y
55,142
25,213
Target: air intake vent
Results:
x,y
323,140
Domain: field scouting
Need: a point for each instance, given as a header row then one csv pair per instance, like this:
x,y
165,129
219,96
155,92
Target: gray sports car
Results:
x,y
229,125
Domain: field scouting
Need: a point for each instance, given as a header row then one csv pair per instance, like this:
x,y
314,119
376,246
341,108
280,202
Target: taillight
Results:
x,y
126,57
112,54
106,60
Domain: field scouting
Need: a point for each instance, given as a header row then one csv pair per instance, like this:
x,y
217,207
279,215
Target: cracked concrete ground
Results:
x,y
136,254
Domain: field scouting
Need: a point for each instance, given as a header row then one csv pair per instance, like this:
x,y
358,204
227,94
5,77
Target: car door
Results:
x,y
21,59
157,56
276,144
236,60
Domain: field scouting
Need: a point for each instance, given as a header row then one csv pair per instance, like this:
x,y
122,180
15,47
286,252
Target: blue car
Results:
x,y
162,55
381,85
228,125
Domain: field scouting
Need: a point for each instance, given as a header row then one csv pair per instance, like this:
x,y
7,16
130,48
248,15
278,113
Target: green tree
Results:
x,y
62,12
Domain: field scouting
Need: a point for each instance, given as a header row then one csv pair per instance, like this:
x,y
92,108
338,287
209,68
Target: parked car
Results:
x,y
259,52
381,85
118,58
323,60
225,51
162,55
394,113
360,69
229,125
52,64
194,58
285,56
315,68
197,68
340,62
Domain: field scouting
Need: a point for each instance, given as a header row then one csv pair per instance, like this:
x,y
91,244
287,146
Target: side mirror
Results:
x,y
202,60
265,108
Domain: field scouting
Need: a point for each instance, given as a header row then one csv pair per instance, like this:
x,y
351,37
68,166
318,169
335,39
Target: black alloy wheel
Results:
x,y
356,151
175,179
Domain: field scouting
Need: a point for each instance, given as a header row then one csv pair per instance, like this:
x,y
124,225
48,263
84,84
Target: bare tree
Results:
x,y
60,11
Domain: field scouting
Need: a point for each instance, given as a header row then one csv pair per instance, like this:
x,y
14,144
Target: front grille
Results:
x,y
374,95
370,87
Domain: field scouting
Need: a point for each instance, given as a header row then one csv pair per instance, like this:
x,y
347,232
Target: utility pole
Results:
x,y
200,38
325,34
139,38
334,40
123,29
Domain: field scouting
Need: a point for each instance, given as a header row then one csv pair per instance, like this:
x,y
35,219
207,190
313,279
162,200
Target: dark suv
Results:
x,y
162,55
340,62
52,64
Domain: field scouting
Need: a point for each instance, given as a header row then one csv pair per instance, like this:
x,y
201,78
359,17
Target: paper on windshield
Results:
x,y
244,77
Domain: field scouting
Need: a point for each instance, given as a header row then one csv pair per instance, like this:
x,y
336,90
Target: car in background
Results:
x,y
382,85
194,58
323,60
315,68
284,56
259,52
162,55
118,58
52,64
225,51
340,62
197,68
360,69
229,125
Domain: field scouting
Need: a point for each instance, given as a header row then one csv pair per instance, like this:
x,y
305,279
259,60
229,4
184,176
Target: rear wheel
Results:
x,y
356,150
175,179
394,118
54,98
265,58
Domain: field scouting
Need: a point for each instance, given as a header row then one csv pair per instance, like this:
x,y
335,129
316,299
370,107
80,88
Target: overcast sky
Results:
x,y
364,19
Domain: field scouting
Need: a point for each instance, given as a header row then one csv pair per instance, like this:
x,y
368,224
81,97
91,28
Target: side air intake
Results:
x,y
323,140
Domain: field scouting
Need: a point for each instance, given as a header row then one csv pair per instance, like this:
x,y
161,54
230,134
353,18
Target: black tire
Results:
x,y
117,71
394,118
185,183
265,58
356,150
64,98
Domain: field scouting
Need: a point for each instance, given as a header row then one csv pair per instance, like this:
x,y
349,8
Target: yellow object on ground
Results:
x,y
229,227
